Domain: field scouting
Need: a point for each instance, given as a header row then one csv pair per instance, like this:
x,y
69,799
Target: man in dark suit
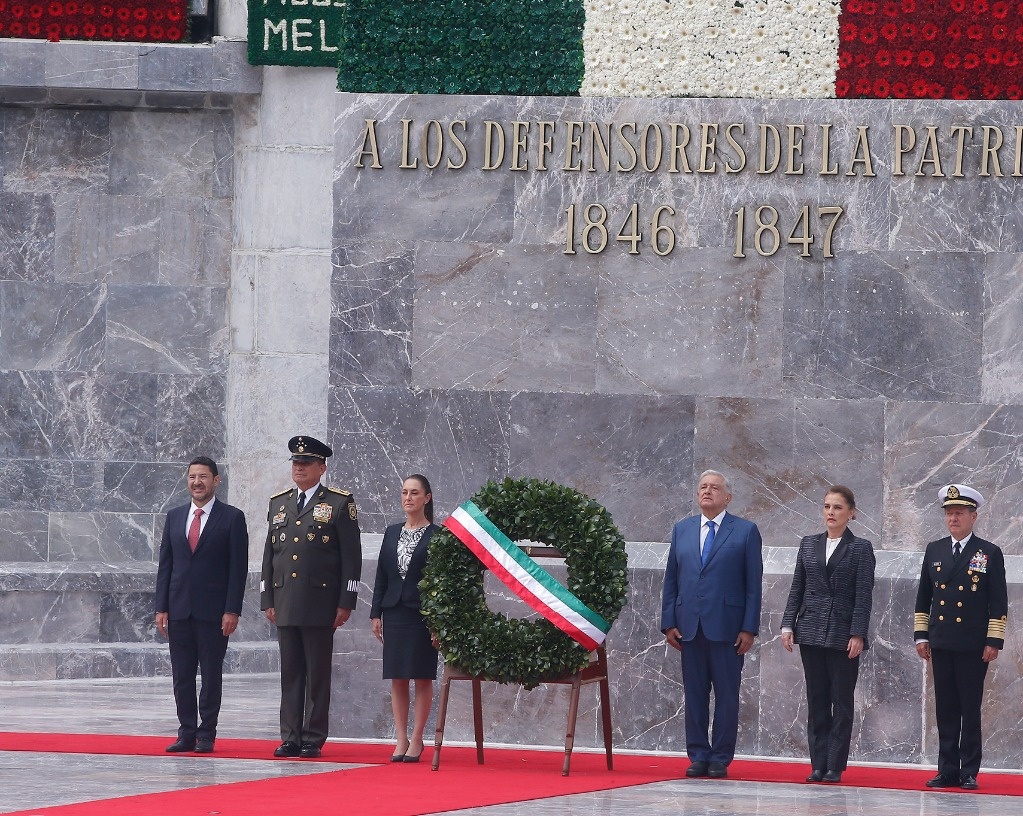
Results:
x,y
200,582
710,611
961,609
312,562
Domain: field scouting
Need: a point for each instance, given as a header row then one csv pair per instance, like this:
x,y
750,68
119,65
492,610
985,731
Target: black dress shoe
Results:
x,y
180,746
968,783
204,747
288,749
942,781
309,750
816,776
410,758
832,776
717,770
696,769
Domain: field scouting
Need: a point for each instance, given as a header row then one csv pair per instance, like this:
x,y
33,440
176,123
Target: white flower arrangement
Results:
x,y
718,48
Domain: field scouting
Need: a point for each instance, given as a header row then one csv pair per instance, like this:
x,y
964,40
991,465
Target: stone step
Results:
x,y
75,661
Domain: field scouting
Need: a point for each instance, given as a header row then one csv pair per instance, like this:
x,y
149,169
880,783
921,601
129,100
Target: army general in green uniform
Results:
x,y
961,609
312,562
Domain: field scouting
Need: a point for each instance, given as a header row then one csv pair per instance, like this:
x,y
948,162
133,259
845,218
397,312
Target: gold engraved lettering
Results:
x,y
861,153
490,161
960,132
679,140
931,155
629,149
369,145
1017,170
652,134
433,129
408,162
991,146
708,142
599,142
736,146
573,146
826,152
459,145
546,144
520,143
764,167
905,141
795,151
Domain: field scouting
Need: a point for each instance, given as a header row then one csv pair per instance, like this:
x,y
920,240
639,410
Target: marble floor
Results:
x,y
37,780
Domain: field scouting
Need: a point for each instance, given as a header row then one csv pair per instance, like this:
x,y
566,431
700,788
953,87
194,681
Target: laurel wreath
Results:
x,y
527,651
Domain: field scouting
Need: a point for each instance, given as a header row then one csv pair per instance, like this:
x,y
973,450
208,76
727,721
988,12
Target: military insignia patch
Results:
x,y
280,518
283,537
978,562
353,513
322,513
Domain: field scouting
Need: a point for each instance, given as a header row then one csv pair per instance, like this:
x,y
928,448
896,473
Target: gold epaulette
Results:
x,y
921,622
286,490
996,628
339,490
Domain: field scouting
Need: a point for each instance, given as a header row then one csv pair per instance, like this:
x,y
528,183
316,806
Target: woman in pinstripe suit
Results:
x,y
828,614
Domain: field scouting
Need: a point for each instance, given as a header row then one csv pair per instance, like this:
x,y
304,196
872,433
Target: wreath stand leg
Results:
x,y
596,672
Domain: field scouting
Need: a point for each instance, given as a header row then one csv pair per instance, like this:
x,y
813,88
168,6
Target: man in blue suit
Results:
x,y
200,582
710,611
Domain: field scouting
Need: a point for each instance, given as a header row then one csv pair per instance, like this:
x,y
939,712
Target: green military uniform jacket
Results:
x,y
312,561
962,604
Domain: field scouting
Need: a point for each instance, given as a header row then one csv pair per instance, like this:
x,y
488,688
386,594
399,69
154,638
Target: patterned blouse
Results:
x,y
407,543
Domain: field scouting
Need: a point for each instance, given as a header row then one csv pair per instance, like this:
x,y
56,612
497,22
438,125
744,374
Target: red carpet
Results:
x,y
387,789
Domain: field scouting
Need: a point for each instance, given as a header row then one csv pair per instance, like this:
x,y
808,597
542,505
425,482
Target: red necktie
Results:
x,y
193,529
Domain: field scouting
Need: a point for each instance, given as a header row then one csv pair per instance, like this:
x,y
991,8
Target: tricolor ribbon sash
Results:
x,y
527,579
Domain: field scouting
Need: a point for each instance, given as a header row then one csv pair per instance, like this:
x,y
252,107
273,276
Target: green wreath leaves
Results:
x,y
524,651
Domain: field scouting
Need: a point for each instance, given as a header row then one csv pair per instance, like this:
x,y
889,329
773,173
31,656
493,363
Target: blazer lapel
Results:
x,y
689,546
840,551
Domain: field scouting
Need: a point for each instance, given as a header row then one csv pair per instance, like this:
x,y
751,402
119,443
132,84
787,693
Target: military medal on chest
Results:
x,y
322,513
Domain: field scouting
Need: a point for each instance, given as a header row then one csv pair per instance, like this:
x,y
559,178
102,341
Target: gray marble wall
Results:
x,y
466,344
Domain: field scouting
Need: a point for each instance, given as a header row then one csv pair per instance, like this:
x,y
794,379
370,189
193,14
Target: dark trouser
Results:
x,y
306,664
706,665
197,645
830,683
958,693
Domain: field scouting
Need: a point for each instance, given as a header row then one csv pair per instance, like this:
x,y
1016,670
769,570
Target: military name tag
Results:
x,y
280,518
322,513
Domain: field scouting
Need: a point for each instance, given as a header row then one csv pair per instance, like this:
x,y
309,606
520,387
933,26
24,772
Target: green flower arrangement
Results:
x,y
528,47
524,651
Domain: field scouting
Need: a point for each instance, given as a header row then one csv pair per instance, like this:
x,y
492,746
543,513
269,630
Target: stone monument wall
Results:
x,y
475,333
192,262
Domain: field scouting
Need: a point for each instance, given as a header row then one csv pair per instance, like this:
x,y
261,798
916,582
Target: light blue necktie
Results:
x,y
708,541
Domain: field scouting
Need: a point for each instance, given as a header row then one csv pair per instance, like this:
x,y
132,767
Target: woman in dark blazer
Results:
x,y
828,614
409,653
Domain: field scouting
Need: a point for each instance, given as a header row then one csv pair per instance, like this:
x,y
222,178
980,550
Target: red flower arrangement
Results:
x,y
117,20
930,49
